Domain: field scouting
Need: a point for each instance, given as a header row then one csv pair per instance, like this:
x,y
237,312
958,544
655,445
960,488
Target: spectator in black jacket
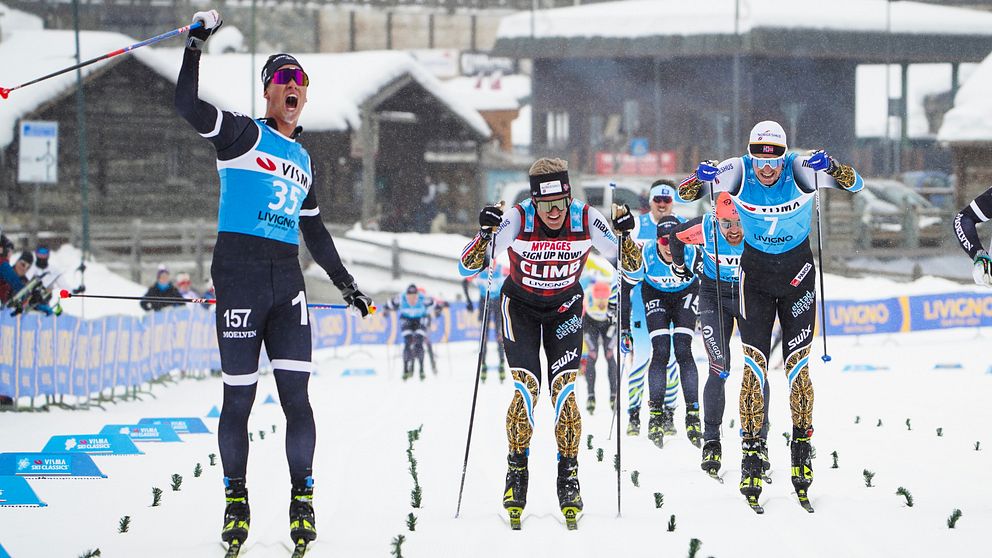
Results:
x,y
163,288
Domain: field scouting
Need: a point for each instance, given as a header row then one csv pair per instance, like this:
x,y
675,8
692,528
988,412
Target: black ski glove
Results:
x,y
357,301
623,220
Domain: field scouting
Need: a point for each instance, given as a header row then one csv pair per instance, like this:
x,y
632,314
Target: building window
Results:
x,y
557,129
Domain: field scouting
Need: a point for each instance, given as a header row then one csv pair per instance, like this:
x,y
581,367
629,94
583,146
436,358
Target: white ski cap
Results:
x,y
768,132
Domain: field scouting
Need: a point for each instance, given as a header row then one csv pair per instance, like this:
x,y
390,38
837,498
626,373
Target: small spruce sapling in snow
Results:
x,y
397,550
978,446
731,423
953,520
156,496
857,419
415,496
879,423
197,471
273,429
659,500
908,425
671,523
177,482
788,438
905,494
635,477
868,476
213,459
411,522
261,434
589,441
940,432
251,437
124,524
834,455
90,554
599,454
694,545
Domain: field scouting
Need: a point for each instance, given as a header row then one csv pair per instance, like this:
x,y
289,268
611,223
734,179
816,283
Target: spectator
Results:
x,y
185,286
13,278
52,280
163,288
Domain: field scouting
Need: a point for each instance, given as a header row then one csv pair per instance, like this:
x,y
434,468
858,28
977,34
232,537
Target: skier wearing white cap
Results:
x,y
774,193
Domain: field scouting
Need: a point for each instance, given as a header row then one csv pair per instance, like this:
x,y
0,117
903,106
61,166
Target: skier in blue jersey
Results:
x,y
266,200
774,192
494,318
661,201
717,328
415,311
670,311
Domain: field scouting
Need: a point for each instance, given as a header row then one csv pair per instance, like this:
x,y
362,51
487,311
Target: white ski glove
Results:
x,y
982,269
211,23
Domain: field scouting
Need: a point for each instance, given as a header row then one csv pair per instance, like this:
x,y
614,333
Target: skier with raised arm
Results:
x,y
774,192
548,238
266,202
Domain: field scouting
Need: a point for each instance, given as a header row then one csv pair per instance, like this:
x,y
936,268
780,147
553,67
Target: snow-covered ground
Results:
x,y
363,488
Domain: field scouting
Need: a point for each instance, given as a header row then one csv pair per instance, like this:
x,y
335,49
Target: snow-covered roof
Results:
x,y
648,18
491,92
970,120
339,84
12,20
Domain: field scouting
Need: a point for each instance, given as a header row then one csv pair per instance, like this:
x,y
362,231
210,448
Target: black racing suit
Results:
x,y
259,284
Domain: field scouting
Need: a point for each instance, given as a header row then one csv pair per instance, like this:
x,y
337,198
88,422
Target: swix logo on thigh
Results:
x,y
569,356
795,341
801,275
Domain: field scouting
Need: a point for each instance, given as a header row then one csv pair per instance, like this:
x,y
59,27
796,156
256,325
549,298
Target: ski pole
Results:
x,y
4,92
819,255
66,294
719,299
616,403
478,366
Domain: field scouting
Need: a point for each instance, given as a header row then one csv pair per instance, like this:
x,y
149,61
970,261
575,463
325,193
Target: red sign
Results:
x,y
653,163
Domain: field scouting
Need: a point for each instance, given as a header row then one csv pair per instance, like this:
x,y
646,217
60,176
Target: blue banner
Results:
x,y
855,317
103,444
950,310
15,491
41,465
182,425
143,432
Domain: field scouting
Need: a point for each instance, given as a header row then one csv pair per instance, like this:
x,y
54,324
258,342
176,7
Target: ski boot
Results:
x,y
485,370
802,465
302,525
237,515
656,429
407,370
712,456
668,421
591,404
766,465
634,422
515,493
692,427
502,372
568,491
751,473
422,375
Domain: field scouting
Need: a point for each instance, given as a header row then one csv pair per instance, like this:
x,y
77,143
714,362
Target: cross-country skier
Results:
x,y
661,201
415,310
494,319
548,238
966,231
600,329
670,310
730,237
266,201
774,192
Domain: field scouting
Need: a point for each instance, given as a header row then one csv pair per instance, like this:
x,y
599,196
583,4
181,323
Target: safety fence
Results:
x,y
47,356
69,356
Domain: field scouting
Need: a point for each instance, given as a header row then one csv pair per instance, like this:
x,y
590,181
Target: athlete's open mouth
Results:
x,y
292,101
